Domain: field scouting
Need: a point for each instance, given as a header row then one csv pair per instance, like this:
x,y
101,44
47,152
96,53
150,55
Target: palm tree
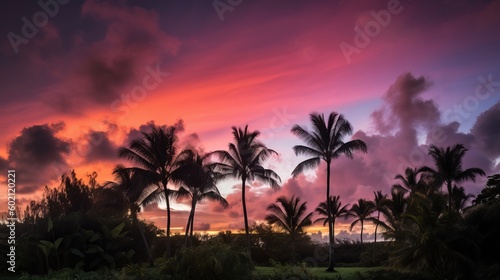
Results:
x,y
131,186
336,210
395,208
380,203
198,180
290,216
448,164
325,142
361,211
459,198
156,156
410,182
243,160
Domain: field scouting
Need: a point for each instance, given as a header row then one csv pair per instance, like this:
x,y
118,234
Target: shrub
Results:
x,y
383,274
211,260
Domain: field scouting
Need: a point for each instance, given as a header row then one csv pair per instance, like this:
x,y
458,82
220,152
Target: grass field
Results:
x,y
347,273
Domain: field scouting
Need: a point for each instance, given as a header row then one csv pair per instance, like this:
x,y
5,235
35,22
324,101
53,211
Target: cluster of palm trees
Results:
x,y
417,214
159,166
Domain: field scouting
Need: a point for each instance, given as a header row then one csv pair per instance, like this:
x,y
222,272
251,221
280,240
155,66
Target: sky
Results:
x,y
82,78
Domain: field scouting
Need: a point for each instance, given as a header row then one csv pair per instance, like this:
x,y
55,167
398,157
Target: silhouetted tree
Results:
x,y
243,160
336,210
380,203
198,180
156,155
491,192
361,211
325,142
289,215
131,186
448,168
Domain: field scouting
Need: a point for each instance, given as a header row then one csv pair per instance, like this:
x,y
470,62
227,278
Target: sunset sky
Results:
x,y
82,78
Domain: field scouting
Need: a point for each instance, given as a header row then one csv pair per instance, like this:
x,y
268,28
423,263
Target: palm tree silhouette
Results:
x,y
459,198
410,182
361,210
325,142
380,203
336,210
156,156
290,216
448,168
396,207
198,181
131,186
243,160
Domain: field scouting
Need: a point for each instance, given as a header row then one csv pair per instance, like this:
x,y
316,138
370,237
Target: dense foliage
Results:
x,y
430,228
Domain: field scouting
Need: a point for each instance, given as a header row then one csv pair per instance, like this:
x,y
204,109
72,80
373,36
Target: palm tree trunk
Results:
x,y
136,223
243,202
329,213
167,250
189,223
376,226
448,185
361,231
191,228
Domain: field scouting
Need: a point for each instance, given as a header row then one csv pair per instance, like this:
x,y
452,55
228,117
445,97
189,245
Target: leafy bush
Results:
x,y
384,274
211,260
374,254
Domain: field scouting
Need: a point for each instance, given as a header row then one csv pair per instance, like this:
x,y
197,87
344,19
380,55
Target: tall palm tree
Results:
x,y
243,160
156,156
336,210
362,211
198,181
325,142
131,186
448,168
289,215
380,203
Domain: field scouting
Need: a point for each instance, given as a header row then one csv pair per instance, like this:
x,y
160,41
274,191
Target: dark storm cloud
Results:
x,y
38,155
3,164
100,147
107,79
486,130
136,133
103,69
202,226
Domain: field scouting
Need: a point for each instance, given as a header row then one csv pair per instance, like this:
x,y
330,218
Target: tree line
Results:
x,y
420,215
